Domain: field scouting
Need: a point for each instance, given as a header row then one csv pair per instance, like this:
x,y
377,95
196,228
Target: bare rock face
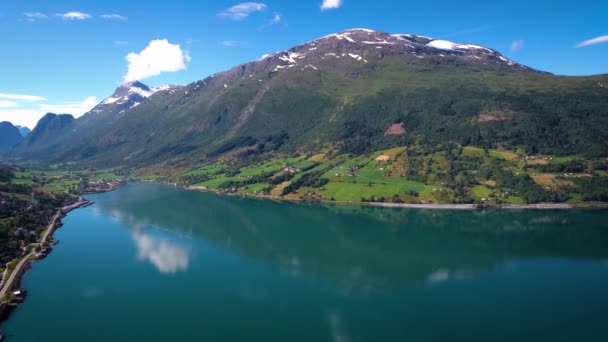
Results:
x,y
395,129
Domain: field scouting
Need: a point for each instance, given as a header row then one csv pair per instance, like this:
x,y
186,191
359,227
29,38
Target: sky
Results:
x,y
65,56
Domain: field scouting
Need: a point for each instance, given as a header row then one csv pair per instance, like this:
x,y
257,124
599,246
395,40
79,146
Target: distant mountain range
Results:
x,y
353,92
9,136
23,130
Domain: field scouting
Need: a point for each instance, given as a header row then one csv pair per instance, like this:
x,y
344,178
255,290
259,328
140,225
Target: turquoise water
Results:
x,y
154,263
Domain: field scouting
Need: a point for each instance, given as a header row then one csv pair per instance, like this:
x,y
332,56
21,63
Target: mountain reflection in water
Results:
x,y
360,248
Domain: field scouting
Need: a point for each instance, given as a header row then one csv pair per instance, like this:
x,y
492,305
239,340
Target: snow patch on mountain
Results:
x,y
291,57
360,29
447,45
110,100
340,36
142,92
443,45
130,95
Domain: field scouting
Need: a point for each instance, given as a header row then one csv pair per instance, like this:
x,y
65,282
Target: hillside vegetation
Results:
x,y
353,95
411,174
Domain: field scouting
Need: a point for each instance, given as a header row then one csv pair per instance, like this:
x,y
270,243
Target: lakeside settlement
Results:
x,y
11,295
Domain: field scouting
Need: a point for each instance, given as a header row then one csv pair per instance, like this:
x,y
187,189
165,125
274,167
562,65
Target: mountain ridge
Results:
x,y
9,135
346,90
23,130
127,96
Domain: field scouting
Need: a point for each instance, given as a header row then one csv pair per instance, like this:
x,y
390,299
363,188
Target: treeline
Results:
x,y
6,174
592,188
547,122
521,185
312,179
269,143
573,166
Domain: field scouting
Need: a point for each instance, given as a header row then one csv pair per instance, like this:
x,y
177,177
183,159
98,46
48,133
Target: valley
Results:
x,y
257,171
455,123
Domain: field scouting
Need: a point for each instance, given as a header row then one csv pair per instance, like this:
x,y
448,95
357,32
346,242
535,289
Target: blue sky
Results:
x,y
68,55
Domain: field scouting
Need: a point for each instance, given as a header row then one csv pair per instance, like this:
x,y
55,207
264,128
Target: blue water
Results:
x,y
155,263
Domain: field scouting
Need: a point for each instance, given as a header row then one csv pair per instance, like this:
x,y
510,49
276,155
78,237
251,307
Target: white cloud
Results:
x,y
593,41
517,45
21,97
8,104
23,117
159,56
331,4
113,16
29,116
33,16
74,16
242,10
74,108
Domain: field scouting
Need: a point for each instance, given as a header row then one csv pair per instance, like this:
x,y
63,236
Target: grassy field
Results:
x,y
60,181
254,188
216,182
473,152
480,191
344,177
503,155
515,200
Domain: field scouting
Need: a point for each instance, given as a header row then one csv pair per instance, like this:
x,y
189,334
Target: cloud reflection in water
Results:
x,y
167,256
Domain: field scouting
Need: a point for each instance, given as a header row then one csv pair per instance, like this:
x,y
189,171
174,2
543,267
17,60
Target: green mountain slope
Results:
x,y
356,91
49,134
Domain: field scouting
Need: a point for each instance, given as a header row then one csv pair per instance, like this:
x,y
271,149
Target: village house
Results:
x,y
291,170
383,158
22,232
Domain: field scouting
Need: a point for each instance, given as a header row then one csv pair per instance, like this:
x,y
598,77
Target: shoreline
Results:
x,y
14,280
428,206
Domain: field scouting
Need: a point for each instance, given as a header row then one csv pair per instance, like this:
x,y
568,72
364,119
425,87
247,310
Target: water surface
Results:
x,y
155,263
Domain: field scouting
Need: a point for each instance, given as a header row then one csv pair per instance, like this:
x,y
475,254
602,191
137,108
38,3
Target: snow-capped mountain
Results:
x,y
364,45
347,89
128,96
364,49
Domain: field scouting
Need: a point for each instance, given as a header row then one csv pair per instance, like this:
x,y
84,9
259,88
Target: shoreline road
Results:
x,y
7,286
51,227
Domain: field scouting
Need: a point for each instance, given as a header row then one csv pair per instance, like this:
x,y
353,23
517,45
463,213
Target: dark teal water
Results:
x,y
153,263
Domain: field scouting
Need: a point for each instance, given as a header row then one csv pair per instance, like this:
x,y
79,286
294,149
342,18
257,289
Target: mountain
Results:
x,y
50,130
23,130
9,135
354,91
55,135
128,96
